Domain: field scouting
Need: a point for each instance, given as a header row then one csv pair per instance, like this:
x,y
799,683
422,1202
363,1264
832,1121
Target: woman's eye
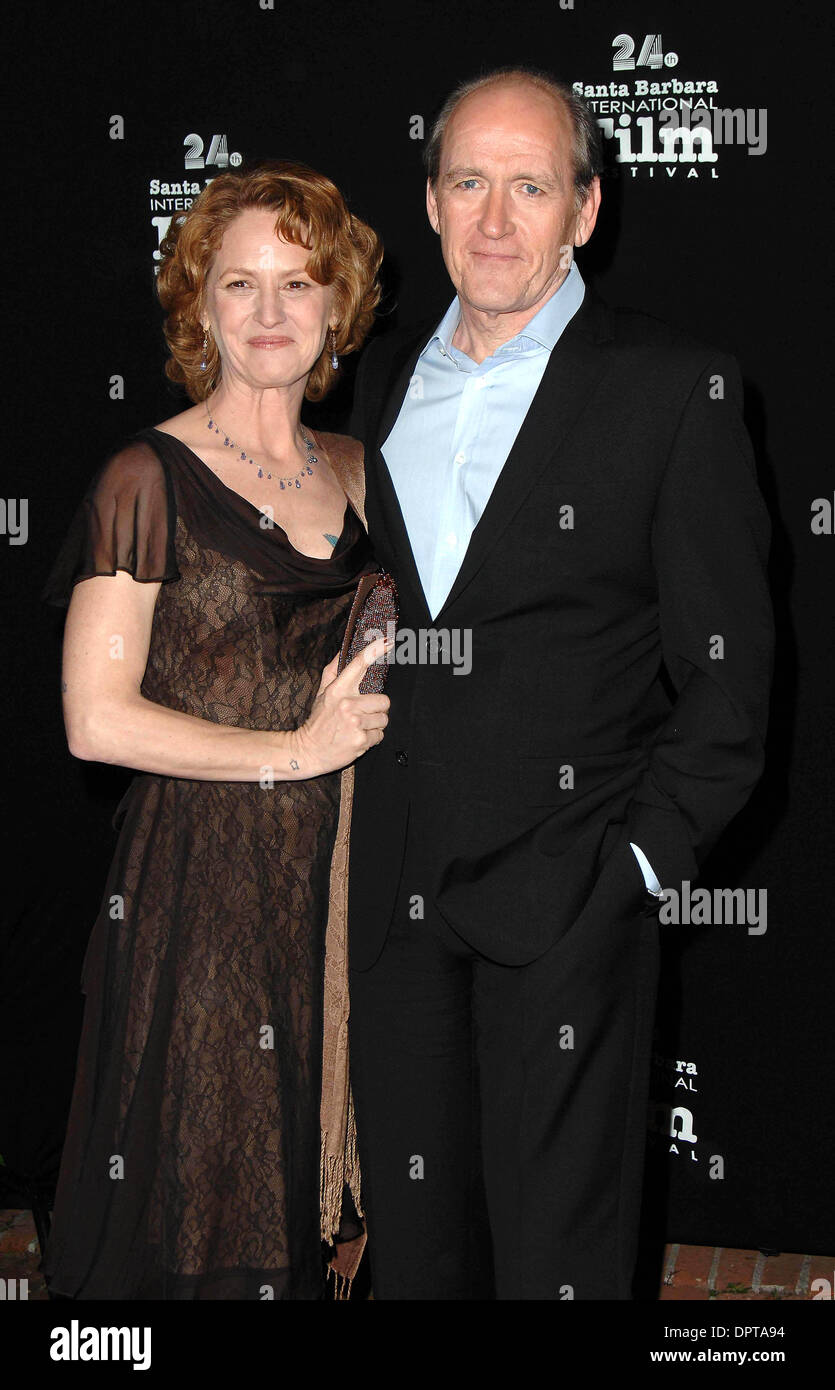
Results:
x,y
297,284
233,284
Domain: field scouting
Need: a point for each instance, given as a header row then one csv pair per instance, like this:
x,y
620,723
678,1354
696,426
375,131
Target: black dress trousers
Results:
x,y
501,1110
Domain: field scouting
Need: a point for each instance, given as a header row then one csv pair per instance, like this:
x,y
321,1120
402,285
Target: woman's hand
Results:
x,y
342,724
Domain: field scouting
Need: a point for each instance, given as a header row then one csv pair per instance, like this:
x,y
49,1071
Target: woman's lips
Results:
x,y
269,342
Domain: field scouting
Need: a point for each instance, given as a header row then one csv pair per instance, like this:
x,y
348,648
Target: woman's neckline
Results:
x,y
314,559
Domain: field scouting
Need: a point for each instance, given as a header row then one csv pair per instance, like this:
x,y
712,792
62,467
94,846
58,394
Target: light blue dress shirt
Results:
x,y
455,429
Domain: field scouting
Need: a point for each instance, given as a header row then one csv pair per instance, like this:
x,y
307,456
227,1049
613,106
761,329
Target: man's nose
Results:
x,y
496,220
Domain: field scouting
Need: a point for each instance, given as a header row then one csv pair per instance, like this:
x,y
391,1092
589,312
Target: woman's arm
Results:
x,y
106,643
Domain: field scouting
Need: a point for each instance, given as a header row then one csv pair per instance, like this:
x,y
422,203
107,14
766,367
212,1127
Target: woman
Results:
x,y
211,569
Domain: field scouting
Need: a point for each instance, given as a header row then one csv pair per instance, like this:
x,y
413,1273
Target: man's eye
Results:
x,y
467,183
531,188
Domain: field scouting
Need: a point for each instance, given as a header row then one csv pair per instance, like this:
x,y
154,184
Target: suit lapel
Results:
x,y
380,483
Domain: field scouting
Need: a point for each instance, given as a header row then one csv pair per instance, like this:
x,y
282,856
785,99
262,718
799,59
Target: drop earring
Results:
x,y
204,364
334,358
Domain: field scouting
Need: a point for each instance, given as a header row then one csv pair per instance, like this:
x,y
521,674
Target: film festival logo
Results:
x,y
170,196
671,1118
662,124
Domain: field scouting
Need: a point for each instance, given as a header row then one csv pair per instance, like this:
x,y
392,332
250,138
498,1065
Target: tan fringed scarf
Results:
x,y
339,1161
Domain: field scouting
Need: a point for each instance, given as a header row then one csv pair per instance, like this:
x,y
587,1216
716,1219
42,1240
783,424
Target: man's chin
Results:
x,y
491,298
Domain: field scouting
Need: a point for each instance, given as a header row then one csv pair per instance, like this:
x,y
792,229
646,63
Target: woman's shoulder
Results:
x,y
133,461
126,520
135,468
150,451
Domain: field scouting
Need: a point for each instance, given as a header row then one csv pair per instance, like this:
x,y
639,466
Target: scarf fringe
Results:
x,y
342,1282
335,1171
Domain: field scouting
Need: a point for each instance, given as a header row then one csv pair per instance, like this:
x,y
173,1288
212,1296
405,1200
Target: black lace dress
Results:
x,y
191,1163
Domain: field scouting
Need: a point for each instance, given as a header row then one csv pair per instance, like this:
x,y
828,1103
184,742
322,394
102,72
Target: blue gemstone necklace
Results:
x,y
291,479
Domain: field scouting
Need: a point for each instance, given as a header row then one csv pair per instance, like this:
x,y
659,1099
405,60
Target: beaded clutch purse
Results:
x,y
374,606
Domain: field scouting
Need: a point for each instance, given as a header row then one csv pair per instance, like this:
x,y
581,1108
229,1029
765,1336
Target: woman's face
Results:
x,y
268,317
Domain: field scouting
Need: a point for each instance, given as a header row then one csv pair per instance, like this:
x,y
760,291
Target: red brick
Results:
x,y
693,1265
783,1270
735,1267
692,1268
672,1293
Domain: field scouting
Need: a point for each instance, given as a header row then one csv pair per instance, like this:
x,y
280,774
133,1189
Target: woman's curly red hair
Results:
x,y
311,212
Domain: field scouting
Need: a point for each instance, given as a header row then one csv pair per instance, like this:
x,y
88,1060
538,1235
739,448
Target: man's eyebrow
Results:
x,y
462,171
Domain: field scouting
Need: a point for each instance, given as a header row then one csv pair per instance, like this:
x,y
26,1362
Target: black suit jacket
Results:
x,y
622,646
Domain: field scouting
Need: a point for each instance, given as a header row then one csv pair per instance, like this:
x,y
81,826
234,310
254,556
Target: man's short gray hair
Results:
x,y
587,153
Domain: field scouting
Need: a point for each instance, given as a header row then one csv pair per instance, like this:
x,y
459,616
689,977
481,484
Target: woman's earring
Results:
x,y
334,358
204,364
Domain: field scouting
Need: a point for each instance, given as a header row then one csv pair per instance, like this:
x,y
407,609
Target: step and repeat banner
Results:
x,y
713,125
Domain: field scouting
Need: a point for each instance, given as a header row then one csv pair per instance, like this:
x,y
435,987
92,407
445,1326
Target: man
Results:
x,y
572,490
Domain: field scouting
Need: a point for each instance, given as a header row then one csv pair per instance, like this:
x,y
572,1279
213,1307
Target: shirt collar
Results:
x,y
543,330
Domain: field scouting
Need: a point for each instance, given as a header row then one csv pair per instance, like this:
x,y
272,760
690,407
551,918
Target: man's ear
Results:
x,y
432,208
587,216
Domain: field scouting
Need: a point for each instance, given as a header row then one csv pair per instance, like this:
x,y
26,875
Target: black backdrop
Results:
x,y
735,252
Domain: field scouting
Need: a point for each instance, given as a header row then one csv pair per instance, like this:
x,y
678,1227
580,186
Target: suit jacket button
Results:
x,y
402,757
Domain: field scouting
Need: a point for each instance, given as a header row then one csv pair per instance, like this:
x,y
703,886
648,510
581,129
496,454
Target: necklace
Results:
x,y
291,478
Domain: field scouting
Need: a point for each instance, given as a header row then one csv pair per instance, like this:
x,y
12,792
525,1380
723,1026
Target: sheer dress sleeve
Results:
x,y
125,521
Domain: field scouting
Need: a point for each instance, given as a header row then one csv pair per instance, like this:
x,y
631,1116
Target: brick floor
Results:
x,y
687,1271
699,1272
690,1272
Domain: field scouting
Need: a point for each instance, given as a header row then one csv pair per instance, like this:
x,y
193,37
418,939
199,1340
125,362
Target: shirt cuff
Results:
x,y
652,884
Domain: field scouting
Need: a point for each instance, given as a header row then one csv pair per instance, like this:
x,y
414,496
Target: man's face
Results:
x,y
504,203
